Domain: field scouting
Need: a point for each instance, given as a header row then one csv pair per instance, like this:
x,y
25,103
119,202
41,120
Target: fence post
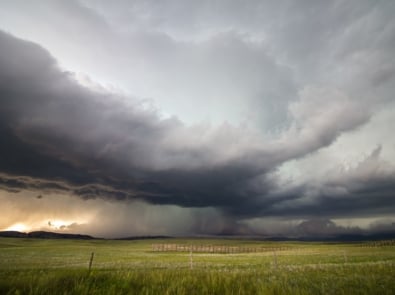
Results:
x,y
190,258
90,262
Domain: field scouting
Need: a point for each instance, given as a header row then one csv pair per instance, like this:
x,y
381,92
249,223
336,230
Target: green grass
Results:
x,y
34,266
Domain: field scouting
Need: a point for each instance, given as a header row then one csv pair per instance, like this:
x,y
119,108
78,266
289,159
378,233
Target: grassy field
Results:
x,y
34,266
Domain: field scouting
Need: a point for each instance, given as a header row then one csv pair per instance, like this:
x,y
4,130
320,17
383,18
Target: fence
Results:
x,y
213,248
244,249
376,244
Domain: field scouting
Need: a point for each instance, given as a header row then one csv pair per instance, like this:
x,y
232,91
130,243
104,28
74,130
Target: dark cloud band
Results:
x,y
57,135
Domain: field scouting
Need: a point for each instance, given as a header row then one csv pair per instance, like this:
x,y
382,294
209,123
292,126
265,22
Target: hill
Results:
x,y
44,235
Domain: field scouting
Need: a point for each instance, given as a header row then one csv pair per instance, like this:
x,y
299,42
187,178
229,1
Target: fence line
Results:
x,y
374,244
213,248
244,249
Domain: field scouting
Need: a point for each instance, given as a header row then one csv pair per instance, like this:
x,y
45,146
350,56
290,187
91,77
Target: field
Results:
x,y
38,266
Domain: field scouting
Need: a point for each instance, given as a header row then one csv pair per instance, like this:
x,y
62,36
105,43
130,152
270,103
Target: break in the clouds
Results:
x,y
189,117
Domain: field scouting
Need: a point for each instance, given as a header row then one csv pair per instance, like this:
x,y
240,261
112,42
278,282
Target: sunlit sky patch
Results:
x,y
17,227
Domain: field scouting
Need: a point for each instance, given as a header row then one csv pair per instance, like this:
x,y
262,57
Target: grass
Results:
x,y
34,266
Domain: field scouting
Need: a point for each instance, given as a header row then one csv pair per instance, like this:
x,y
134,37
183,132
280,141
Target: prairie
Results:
x,y
41,266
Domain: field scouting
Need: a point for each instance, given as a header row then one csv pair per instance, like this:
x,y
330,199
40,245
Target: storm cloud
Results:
x,y
289,96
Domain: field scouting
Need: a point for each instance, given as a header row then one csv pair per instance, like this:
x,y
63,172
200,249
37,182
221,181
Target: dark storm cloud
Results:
x,y
53,128
365,190
58,135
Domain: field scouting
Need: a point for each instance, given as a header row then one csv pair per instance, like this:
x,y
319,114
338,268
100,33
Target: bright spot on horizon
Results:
x,y
59,224
21,227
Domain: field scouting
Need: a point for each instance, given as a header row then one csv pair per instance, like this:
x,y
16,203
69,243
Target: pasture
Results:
x,y
195,266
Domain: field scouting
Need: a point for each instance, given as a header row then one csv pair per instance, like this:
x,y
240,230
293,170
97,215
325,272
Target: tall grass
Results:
x,y
61,267
344,280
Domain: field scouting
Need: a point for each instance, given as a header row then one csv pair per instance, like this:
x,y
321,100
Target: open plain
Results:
x,y
195,266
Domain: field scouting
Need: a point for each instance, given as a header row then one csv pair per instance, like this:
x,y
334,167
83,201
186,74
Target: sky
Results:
x,y
130,118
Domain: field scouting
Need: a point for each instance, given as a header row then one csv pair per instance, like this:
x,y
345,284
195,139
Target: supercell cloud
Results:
x,y
195,118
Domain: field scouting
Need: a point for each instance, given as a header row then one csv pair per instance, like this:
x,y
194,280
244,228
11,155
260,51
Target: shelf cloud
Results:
x,y
217,116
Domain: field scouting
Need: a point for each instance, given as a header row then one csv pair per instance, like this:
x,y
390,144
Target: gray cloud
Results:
x,y
363,190
250,60
55,129
314,73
